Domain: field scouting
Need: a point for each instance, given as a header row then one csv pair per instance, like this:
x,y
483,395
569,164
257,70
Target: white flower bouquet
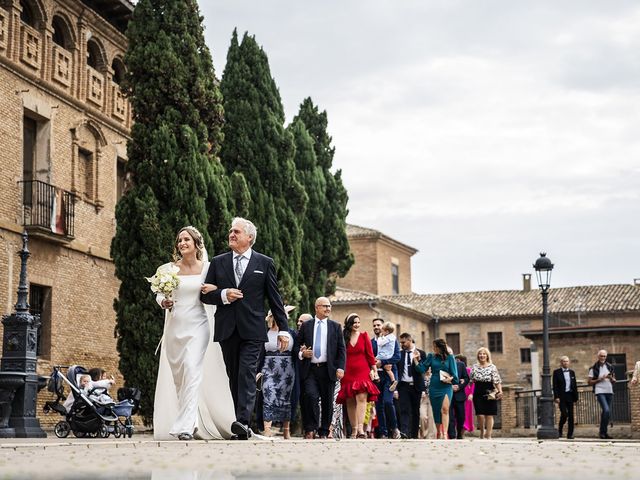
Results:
x,y
165,280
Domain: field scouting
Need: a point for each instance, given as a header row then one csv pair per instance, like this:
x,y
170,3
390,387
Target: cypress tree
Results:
x,y
328,255
177,178
258,146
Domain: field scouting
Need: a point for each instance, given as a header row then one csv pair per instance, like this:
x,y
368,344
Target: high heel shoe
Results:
x,y
267,431
286,433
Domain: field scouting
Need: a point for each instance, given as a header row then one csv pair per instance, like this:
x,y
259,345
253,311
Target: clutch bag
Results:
x,y
491,394
445,377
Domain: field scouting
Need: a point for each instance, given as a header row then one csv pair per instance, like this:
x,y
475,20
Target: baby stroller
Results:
x,y
99,416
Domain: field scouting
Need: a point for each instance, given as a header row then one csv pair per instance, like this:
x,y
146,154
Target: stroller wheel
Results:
x,y
62,429
103,432
129,429
116,431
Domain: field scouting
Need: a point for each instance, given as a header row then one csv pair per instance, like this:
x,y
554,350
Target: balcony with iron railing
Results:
x,y
48,211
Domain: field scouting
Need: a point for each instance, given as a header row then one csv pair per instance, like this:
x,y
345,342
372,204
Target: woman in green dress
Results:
x,y
441,386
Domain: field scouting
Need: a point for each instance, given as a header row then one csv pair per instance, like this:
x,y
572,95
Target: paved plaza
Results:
x,y
144,458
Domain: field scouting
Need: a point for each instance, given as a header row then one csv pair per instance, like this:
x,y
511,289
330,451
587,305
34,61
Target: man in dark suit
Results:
x,y
321,351
565,393
245,278
410,387
457,417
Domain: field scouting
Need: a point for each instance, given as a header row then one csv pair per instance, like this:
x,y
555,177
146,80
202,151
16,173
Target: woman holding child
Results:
x,y
357,388
191,388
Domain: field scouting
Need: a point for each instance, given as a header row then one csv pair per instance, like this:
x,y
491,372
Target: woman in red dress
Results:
x,y
356,386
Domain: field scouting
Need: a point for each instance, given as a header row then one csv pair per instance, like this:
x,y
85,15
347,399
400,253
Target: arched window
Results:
x,y
94,55
118,71
27,15
61,34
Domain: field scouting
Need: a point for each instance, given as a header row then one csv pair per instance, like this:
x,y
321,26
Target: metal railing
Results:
x,y
49,207
586,410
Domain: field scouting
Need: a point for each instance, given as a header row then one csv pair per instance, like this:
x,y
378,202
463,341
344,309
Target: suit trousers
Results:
x,y
241,361
385,408
457,416
409,401
566,413
318,389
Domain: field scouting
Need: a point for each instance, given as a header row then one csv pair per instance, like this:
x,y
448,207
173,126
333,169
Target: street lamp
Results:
x,y
546,429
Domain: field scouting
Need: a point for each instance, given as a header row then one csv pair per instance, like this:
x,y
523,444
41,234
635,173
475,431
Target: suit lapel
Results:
x,y
227,265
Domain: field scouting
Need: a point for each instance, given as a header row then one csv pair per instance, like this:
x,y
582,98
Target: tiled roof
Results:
x,y
344,295
509,303
355,231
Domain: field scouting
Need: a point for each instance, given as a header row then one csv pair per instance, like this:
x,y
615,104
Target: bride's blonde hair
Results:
x,y
197,241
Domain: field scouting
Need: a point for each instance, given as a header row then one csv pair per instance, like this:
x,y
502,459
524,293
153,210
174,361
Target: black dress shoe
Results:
x,y
570,437
242,431
185,436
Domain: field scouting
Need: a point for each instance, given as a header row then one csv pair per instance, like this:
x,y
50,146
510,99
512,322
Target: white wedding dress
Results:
x,y
192,389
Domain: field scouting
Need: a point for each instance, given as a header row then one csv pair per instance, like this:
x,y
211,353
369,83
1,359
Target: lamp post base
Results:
x,y
547,433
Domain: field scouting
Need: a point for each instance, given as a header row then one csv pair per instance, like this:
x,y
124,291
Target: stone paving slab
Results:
x,y
144,458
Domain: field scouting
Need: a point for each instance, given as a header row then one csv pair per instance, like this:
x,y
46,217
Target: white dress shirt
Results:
x,y
323,344
406,375
567,380
244,263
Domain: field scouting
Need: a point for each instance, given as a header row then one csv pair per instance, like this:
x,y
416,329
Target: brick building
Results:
x,y
509,322
64,129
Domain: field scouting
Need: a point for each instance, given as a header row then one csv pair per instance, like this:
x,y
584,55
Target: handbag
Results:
x,y
492,394
445,377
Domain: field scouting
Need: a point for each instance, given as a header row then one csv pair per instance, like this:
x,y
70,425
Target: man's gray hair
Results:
x,y
248,227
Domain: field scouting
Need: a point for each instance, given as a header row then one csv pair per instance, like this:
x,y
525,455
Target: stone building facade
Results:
x,y
64,127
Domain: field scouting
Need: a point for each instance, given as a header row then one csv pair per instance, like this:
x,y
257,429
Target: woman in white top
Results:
x,y
636,374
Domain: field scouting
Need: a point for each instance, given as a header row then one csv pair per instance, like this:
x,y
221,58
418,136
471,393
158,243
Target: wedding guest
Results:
x,y
445,375
410,387
278,377
386,346
357,387
636,374
458,412
565,393
427,425
385,407
487,391
321,351
468,404
602,377
297,393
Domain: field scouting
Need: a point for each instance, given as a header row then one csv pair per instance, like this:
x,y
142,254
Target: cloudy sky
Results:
x,y
478,132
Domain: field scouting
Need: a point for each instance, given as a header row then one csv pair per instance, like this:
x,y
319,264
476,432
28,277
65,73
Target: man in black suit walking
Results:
x,y
321,350
456,421
565,393
245,278
410,387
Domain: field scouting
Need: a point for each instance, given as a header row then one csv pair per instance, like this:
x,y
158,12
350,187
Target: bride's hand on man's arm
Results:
x,y
207,288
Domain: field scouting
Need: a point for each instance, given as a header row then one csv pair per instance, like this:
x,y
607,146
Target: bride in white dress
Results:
x,y
192,391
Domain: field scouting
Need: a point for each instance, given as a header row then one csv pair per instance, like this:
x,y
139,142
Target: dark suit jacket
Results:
x,y
418,378
336,353
460,395
246,315
559,384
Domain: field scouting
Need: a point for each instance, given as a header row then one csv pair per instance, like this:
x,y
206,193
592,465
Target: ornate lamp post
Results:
x,y
546,429
19,382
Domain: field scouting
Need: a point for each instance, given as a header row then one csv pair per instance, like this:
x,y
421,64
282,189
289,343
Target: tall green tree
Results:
x,y
258,145
326,256
176,177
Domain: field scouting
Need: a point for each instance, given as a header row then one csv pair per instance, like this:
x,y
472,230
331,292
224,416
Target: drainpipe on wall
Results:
x,y
372,307
436,329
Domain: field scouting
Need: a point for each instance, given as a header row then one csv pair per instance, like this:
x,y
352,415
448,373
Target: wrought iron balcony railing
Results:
x,y
49,208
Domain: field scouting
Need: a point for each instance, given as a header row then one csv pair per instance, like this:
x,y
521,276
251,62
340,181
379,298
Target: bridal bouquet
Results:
x,y
165,280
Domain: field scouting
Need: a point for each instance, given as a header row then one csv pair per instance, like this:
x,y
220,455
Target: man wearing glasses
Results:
x,y
322,356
